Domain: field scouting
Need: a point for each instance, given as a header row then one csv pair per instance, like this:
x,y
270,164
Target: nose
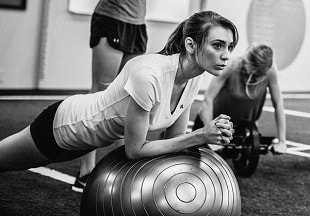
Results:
x,y
225,55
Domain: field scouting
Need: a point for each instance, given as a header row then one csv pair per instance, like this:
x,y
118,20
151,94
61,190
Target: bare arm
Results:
x,y
277,101
136,128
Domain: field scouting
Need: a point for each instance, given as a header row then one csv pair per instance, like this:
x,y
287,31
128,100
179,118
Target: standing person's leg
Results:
x,y
112,42
101,81
106,63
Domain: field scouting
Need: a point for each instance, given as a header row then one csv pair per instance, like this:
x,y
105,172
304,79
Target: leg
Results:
x,y
107,62
105,65
19,152
88,162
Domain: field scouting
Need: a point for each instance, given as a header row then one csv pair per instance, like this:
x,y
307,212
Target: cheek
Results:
x,y
209,58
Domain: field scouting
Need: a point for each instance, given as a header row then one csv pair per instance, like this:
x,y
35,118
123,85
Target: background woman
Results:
x,y
241,90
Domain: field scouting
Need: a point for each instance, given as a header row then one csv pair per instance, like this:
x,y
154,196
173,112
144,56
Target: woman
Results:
x,y
241,90
151,92
117,34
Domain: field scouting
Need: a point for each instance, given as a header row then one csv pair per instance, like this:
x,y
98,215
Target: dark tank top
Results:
x,y
233,100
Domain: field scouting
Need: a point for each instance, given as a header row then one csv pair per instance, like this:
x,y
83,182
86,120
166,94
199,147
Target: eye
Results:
x,y
217,46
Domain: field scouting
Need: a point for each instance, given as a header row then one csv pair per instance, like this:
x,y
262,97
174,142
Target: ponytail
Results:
x,y
175,42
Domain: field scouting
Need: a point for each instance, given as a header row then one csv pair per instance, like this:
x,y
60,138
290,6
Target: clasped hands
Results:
x,y
219,131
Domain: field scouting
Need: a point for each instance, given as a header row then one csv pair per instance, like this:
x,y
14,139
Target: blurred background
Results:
x,y
44,44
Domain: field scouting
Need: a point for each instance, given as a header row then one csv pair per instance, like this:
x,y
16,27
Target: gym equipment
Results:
x,y
194,182
245,148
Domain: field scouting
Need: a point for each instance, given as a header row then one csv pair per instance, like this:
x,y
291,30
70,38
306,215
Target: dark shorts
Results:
x,y
122,36
41,130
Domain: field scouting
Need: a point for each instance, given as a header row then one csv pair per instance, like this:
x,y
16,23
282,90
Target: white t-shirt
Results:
x,y
98,119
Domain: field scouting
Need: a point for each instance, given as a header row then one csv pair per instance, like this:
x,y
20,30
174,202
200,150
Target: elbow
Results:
x,y
132,154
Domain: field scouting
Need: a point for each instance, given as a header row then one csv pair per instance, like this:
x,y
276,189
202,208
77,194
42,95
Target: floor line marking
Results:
x,y
302,154
296,144
54,174
289,112
298,148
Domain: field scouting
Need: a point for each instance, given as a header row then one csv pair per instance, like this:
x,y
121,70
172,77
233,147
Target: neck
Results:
x,y
187,69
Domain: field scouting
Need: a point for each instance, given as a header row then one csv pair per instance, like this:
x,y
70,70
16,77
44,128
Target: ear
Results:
x,y
190,45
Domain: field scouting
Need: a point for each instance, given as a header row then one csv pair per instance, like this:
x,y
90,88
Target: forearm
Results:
x,y
172,145
277,101
219,131
280,123
206,111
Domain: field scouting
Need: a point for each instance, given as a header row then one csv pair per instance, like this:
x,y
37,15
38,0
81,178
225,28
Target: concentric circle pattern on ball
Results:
x,y
196,182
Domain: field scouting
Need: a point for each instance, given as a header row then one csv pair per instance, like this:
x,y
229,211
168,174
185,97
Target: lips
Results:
x,y
220,67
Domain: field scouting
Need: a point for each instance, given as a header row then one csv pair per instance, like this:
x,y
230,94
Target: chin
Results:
x,y
216,72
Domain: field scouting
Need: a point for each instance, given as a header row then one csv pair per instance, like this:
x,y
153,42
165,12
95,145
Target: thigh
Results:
x,y
19,152
105,62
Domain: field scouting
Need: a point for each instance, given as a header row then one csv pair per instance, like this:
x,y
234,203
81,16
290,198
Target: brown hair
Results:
x,y
197,27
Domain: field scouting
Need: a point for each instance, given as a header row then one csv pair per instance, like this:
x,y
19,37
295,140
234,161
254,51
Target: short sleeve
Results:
x,y
143,86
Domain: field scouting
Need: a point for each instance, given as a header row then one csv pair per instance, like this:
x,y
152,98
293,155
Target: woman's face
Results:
x,y
215,53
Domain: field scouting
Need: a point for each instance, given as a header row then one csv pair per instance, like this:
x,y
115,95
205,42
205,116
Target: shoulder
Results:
x,y
155,57
272,73
155,63
151,60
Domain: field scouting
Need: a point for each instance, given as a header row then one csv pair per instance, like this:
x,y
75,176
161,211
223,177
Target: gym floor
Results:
x,y
280,185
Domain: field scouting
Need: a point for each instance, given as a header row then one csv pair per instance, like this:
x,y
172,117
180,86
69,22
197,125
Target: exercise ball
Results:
x,y
191,183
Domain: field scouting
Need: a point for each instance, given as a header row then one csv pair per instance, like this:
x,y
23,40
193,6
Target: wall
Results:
x,y
68,57
46,46
20,34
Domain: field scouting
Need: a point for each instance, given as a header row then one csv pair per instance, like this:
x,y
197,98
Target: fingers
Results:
x,y
222,116
227,133
225,128
222,140
219,131
223,123
226,140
